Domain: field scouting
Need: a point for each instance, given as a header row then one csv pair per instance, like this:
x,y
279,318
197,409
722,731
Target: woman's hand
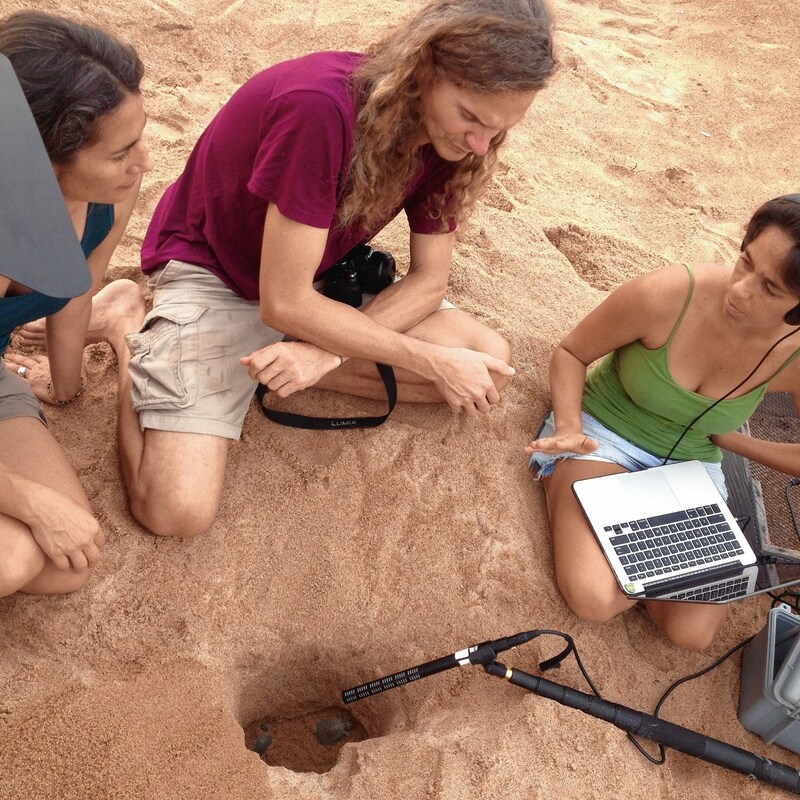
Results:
x,y
67,533
36,372
577,442
781,456
288,367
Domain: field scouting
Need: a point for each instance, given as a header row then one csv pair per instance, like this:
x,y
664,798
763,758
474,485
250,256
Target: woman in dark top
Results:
x,y
82,86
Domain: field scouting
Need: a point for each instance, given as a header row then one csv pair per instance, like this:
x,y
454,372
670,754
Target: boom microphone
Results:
x,y
461,658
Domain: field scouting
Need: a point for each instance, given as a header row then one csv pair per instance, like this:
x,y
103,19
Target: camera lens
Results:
x,y
377,272
343,286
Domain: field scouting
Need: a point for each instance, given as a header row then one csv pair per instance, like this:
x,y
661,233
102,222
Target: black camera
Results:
x,y
362,271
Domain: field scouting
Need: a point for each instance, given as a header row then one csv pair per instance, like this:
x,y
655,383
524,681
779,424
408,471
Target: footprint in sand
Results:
x,y
602,261
605,65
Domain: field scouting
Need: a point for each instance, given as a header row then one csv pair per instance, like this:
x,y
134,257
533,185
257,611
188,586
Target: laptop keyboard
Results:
x,y
724,590
673,543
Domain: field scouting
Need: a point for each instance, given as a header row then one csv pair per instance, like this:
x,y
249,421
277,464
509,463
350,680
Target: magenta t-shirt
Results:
x,y
285,137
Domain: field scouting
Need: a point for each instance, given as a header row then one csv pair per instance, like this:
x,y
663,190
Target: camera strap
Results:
x,y
333,423
361,256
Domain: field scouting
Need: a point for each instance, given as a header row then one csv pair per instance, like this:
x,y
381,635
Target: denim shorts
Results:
x,y
16,396
613,449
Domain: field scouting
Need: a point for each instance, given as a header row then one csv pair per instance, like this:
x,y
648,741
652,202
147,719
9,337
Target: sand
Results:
x,y
339,557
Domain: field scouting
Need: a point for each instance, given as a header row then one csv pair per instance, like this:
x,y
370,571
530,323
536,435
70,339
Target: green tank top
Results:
x,y
632,392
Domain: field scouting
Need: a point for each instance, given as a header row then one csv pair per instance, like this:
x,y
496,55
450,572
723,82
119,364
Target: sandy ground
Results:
x,y
340,557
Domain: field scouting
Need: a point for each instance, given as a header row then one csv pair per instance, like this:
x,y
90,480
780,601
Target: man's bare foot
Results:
x,y
32,334
116,305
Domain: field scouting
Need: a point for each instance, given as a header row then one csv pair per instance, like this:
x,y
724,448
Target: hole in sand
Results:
x,y
292,714
310,742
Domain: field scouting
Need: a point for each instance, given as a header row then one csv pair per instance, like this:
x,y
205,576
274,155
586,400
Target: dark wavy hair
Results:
x,y
72,75
784,213
486,46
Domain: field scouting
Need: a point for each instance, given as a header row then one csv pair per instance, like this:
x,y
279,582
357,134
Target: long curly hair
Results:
x,y
484,46
71,74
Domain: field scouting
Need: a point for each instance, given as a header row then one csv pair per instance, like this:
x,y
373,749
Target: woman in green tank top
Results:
x,y
664,348
82,87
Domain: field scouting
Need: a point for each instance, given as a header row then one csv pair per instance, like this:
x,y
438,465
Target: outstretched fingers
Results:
x,y
578,443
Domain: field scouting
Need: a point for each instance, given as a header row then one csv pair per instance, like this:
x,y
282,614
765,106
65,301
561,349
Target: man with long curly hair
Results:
x,y
308,159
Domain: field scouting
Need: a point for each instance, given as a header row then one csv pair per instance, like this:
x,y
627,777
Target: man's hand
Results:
x,y
288,367
569,442
67,533
463,378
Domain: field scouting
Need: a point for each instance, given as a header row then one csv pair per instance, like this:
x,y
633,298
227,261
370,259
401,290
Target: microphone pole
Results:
x,y
658,730
655,729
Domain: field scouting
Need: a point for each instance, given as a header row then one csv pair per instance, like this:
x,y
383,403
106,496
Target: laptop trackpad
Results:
x,y
647,493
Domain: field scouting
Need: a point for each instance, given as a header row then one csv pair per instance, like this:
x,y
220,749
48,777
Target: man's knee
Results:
x,y
178,486
477,336
173,518
52,581
34,573
497,345
177,510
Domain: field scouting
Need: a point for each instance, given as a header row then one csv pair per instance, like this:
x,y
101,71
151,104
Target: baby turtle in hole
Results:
x,y
331,730
261,743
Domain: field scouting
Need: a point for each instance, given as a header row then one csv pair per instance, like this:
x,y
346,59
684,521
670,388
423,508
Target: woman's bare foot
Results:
x,y
115,304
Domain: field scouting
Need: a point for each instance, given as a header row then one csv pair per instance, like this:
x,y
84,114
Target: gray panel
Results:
x,y
38,246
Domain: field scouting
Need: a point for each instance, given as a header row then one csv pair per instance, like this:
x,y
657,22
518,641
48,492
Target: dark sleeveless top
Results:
x,y
22,308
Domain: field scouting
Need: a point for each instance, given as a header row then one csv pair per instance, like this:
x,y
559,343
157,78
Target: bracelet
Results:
x,y
65,402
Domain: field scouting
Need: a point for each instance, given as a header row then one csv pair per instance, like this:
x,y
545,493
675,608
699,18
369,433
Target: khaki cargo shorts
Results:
x,y
185,359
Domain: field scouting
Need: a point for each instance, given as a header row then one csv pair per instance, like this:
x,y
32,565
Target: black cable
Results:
x,y
699,674
791,599
743,522
725,396
671,689
658,761
550,663
792,482
584,672
662,756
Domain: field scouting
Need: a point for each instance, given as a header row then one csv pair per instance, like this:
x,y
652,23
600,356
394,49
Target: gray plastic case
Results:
x,y
769,691
787,683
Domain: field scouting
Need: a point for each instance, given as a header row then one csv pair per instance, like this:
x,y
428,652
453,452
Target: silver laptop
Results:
x,y
665,530
743,582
